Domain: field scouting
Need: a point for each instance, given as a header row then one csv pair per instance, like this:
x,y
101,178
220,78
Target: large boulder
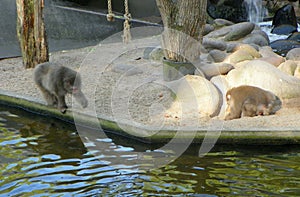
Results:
x,y
239,31
284,16
196,95
238,56
249,49
267,51
222,85
289,67
266,76
284,29
269,56
211,44
282,47
297,72
275,61
257,39
219,32
293,54
217,56
295,36
220,22
214,69
262,33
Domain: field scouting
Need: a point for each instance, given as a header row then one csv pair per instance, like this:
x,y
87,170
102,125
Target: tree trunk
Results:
x,y
183,21
31,32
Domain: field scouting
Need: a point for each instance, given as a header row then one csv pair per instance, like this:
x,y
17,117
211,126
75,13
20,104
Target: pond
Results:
x,y
41,156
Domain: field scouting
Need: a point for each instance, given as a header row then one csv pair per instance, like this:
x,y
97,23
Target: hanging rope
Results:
x,y
127,16
110,16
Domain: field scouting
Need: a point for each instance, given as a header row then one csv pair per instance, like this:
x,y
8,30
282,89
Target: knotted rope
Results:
x,y
127,16
110,15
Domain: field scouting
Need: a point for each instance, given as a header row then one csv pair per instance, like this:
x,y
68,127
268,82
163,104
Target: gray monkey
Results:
x,y
55,82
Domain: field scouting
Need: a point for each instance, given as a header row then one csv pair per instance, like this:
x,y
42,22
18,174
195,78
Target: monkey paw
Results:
x,y
63,109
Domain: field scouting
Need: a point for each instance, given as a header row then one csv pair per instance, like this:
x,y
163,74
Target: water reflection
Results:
x,y
45,157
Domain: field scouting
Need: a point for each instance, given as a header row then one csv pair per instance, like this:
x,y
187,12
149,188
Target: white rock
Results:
x,y
266,76
197,95
293,54
288,67
267,51
222,85
238,56
297,72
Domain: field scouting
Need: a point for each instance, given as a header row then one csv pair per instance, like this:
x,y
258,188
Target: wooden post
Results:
x,y
187,17
31,32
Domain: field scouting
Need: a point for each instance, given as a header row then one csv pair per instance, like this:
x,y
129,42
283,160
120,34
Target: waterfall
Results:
x,y
255,10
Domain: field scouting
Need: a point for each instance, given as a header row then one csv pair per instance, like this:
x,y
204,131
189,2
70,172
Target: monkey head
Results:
x,y
233,107
72,84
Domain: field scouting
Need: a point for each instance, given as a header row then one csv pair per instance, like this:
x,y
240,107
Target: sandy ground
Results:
x,y
122,85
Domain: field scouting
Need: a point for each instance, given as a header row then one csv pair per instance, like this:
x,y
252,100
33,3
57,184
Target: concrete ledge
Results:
x,y
261,137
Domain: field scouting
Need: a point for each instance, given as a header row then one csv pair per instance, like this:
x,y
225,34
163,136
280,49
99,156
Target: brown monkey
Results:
x,y
55,82
250,101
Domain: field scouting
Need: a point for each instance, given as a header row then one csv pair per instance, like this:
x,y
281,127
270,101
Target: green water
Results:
x,y
45,157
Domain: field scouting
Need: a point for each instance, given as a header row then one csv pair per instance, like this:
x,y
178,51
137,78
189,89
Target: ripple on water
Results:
x,y
54,162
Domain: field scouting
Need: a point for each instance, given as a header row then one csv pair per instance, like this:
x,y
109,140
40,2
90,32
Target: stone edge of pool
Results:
x,y
252,137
